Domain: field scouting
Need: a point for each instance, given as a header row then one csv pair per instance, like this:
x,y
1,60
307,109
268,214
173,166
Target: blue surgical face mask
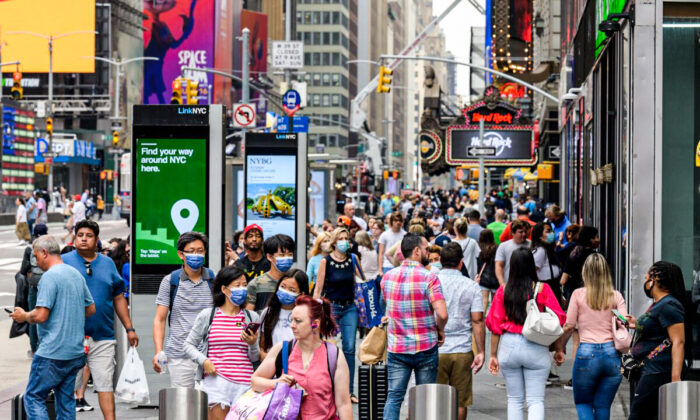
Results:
x,y
343,246
284,263
550,237
436,264
286,297
238,295
194,261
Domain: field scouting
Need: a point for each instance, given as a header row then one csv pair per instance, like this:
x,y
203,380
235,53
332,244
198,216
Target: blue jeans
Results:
x,y
595,378
345,316
30,224
33,335
525,366
399,368
45,375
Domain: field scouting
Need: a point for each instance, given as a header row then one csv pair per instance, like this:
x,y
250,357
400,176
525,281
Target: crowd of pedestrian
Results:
x,y
453,276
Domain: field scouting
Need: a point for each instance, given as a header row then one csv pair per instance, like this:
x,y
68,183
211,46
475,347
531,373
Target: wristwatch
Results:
x,y
128,330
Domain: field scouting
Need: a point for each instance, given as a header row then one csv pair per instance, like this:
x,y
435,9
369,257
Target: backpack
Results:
x,y
175,283
247,320
331,353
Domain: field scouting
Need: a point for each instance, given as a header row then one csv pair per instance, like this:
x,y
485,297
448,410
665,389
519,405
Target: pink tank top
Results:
x,y
319,402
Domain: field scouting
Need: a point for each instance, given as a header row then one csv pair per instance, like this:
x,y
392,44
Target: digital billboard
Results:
x,y
171,192
56,18
317,197
271,193
180,33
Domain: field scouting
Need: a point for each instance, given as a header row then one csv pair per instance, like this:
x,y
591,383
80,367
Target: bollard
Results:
x,y
679,401
433,402
182,404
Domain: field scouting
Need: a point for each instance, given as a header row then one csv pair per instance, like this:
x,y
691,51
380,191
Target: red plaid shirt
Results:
x,y
409,291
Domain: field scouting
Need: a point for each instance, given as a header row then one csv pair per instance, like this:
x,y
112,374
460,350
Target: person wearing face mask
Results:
x,y
277,317
368,256
223,343
321,248
542,247
182,295
336,280
434,259
586,244
279,250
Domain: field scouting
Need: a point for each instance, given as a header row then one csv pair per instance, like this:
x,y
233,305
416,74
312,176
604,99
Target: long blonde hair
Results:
x,y
316,249
597,279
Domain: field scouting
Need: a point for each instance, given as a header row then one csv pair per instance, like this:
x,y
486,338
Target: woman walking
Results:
x,y
660,338
320,249
486,261
276,324
336,280
525,364
542,247
223,342
21,226
596,374
368,256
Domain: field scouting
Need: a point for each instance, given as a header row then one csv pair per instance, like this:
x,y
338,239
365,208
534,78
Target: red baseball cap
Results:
x,y
344,220
76,197
251,227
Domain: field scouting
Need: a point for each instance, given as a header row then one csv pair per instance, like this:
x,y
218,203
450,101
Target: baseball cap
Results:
x,y
252,227
442,240
76,197
344,220
40,229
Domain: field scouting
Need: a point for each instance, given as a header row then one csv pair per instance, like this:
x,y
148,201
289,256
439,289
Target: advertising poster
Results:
x,y
512,146
317,198
257,24
180,33
223,59
271,193
171,186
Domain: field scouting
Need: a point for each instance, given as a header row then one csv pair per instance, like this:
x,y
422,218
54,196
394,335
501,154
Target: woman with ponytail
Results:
x,y
312,323
661,338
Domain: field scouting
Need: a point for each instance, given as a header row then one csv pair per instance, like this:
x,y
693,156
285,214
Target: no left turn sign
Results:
x,y
243,115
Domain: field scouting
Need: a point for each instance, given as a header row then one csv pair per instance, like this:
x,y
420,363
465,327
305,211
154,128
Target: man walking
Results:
x,y
32,211
520,231
279,250
388,239
497,226
253,263
522,214
466,314
107,288
349,211
181,296
417,314
474,229
63,302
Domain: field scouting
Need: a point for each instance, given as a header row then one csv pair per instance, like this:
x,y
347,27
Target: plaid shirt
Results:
x,y
409,291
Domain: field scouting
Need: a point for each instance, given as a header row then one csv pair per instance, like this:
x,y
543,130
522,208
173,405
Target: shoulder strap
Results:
x,y
247,318
211,319
332,357
174,284
357,266
284,353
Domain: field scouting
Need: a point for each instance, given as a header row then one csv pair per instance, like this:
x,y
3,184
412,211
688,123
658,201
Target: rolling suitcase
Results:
x,y
373,383
18,412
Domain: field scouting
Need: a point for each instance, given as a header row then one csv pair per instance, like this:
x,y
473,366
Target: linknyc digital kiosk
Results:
x,y
177,186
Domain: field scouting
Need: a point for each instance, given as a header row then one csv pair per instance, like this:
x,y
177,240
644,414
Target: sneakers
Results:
x,y
569,385
552,379
82,405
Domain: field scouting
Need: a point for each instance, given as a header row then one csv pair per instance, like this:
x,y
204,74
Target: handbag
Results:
x,y
621,337
373,347
367,299
490,282
542,328
631,367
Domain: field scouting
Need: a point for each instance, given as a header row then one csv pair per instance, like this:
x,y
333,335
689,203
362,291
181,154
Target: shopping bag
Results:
x,y
250,406
373,347
132,387
285,403
368,302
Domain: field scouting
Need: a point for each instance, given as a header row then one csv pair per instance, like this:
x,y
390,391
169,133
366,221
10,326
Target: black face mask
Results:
x,y
648,291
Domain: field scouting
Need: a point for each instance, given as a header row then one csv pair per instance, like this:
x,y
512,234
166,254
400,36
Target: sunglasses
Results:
x,y
88,268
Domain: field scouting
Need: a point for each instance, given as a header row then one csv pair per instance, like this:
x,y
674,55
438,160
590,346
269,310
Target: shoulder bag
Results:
x,y
621,337
631,367
542,328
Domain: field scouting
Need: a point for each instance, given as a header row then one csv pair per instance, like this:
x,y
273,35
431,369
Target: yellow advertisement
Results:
x,y
26,26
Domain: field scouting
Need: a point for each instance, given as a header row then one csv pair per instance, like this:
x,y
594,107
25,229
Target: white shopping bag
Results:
x,y
132,387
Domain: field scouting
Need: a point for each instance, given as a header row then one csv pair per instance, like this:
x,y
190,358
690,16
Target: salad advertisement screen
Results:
x,y
271,193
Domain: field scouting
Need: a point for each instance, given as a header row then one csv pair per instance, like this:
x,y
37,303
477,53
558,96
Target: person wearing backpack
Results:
x,y
182,295
224,342
31,270
312,323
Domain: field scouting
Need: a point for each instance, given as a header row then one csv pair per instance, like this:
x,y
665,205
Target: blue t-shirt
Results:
x,y
387,205
126,275
312,269
104,284
31,214
62,290
652,331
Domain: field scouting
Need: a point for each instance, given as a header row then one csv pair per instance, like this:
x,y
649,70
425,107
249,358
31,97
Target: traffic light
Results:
x,y
16,91
115,138
384,85
192,92
49,125
176,99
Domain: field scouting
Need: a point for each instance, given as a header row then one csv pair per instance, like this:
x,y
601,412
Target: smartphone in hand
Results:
x,y
252,328
619,316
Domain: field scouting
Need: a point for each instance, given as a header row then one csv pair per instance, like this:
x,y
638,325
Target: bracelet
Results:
x,y
128,330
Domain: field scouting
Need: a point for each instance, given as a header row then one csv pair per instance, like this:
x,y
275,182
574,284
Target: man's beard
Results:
x,y
424,260
255,247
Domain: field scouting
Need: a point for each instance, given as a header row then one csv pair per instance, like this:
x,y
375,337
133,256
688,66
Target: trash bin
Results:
x,y
679,401
182,404
433,402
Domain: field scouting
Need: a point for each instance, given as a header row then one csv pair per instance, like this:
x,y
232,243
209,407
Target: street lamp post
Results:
x,y
51,38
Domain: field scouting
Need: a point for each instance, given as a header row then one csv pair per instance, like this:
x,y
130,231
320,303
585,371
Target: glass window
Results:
x,y
308,18
336,79
317,38
332,141
336,18
317,79
316,99
326,38
326,18
326,79
325,101
335,100
336,59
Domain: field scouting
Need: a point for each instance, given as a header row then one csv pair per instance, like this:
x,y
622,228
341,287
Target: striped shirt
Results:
x,y
190,300
409,291
227,351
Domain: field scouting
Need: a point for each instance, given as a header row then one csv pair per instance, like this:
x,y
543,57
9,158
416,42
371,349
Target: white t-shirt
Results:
x,y
360,222
470,250
283,328
21,214
389,238
542,264
505,251
78,212
368,261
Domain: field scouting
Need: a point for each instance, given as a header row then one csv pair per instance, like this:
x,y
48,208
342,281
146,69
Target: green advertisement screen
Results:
x,y
170,196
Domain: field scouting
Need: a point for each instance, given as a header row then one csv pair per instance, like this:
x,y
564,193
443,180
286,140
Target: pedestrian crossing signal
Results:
x,y
16,91
192,91
384,85
176,98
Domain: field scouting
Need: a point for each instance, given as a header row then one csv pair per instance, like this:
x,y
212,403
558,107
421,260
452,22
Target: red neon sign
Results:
x,y
492,117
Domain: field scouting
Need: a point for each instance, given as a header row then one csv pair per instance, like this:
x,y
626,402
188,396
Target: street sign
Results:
x,y
288,54
117,125
291,102
299,124
555,152
481,151
243,115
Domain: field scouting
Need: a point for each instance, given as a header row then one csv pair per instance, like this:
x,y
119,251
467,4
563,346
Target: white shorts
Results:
x,y
101,361
222,391
182,372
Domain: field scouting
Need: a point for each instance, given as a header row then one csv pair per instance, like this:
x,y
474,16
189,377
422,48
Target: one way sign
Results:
x,y
481,151
243,115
